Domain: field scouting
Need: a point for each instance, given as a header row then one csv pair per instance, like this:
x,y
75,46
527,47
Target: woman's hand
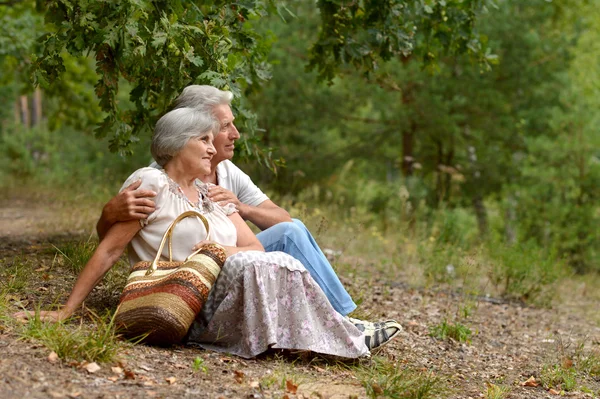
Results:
x,y
45,315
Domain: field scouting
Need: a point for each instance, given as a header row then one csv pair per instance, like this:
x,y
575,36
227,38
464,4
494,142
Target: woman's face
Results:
x,y
197,154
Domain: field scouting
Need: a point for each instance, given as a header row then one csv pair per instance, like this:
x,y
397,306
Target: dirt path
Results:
x,y
509,342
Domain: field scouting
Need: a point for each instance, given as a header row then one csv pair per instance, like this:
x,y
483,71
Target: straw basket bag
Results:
x,y
161,299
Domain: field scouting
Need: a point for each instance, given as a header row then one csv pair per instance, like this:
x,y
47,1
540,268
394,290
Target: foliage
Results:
x,y
456,331
98,343
494,391
382,378
559,377
524,271
363,34
64,158
77,254
199,365
159,48
513,145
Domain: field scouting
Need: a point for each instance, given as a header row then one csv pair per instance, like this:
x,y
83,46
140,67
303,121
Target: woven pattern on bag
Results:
x,y
161,299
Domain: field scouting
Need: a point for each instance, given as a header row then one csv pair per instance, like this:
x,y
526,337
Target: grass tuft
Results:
x,y
96,343
456,331
494,391
76,253
559,377
382,378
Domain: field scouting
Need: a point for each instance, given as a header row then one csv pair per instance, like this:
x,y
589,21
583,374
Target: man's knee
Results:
x,y
295,229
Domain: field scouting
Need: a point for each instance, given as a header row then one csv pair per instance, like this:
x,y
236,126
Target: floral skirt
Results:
x,y
267,300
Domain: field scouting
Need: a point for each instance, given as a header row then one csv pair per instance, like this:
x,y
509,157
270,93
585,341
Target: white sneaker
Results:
x,y
383,333
362,325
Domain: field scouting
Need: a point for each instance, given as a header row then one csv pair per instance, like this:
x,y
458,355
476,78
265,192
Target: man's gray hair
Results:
x,y
176,128
203,98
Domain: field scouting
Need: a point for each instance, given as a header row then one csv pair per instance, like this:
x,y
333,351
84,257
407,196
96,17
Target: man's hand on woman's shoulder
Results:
x,y
130,204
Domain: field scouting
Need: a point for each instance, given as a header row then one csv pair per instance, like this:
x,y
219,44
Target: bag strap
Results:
x,y
168,236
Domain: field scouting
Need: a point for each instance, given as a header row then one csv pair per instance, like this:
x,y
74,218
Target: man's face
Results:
x,y
228,134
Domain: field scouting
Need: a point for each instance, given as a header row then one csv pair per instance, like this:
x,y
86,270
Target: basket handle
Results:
x,y
168,235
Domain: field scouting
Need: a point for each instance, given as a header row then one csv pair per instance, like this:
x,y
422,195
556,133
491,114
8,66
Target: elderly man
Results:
x,y
279,231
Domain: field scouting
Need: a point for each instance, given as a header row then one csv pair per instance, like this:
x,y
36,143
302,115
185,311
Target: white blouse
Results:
x,y
170,203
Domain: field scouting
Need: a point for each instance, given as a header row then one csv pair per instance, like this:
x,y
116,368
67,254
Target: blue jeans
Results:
x,y
294,239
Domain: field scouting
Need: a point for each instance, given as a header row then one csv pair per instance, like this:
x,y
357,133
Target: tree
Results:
x,y
162,46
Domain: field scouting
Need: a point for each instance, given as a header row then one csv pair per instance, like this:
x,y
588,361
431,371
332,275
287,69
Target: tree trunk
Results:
x,y
510,218
408,143
481,214
439,181
37,107
25,116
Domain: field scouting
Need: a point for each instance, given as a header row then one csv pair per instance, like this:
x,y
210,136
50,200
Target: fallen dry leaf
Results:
x,y
553,391
113,378
116,370
567,363
239,376
92,367
290,387
319,369
129,375
377,389
531,382
52,357
254,384
171,380
74,394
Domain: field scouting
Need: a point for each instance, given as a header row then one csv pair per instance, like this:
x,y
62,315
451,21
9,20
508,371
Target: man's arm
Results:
x,y
129,204
264,215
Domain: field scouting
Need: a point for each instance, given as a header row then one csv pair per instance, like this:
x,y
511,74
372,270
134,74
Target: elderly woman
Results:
x,y
259,300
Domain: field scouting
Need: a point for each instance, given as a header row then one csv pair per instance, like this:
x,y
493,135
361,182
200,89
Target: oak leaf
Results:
x,y
531,382
92,367
239,376
52,357
291,387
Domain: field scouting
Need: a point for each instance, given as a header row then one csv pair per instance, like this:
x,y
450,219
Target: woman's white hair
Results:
x,y
203,98
176,128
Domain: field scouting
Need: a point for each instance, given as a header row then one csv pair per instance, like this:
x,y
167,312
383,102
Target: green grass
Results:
x,y
382,378
199,365
494,391
456,331
15,276
75,254
571,366
283,372
559,377
96,343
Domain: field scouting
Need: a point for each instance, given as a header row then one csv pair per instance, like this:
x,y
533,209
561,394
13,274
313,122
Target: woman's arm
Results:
x,y
105,256
246,240
132,203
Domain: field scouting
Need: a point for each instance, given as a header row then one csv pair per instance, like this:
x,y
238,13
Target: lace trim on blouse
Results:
x,y
204,204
